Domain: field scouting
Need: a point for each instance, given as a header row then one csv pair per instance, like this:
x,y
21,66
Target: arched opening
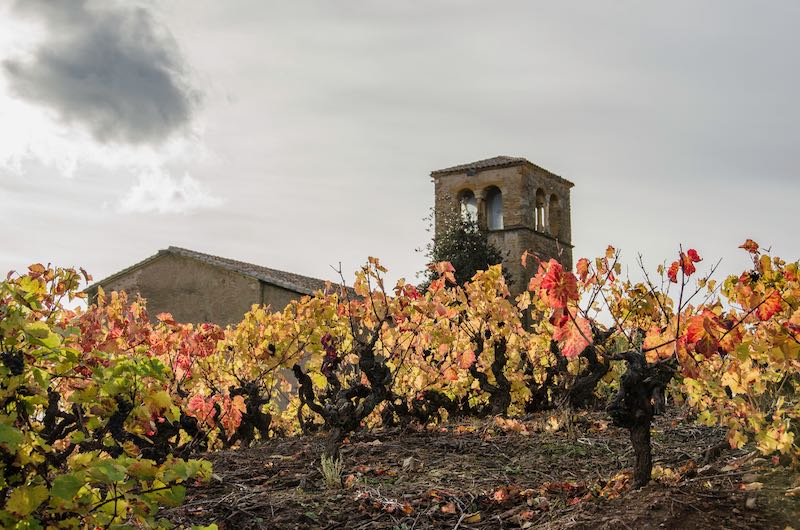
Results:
x,y
555,215
468,205
494,209
538,212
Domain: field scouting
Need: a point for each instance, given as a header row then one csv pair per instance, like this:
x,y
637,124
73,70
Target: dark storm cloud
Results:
x,y
108,66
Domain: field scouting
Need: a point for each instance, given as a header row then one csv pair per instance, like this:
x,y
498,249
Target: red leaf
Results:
x,y
559,318
573,339
561,286
693,255
201,409
687,264
672,273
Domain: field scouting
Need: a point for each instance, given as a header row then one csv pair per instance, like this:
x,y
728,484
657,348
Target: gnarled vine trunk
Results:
x,y
343,408
639,399
500,391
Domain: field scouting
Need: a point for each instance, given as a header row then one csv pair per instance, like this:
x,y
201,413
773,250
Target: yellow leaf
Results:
x,y
474,518
160,399
23,501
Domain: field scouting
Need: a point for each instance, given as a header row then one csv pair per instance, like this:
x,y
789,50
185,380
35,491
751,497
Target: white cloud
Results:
x,y
157,191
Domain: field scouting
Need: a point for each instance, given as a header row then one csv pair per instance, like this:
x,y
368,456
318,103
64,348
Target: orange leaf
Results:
x,y
501,494
770,306
36,270
582,268
466,359
231,417
750,246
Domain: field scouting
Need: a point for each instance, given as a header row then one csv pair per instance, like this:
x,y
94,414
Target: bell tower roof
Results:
x,y
496,162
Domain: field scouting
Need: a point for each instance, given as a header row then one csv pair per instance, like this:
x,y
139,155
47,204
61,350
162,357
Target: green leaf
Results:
x,y
23,501
66,486
107,472
77,437
177,471
143,470
29,524
50,341
38,330
173,496
10,437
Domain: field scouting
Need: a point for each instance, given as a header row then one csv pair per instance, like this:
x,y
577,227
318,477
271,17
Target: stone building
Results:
x,y
197,287
523,206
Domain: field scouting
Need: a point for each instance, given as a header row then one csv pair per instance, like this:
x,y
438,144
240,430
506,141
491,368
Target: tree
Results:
x,y
463,242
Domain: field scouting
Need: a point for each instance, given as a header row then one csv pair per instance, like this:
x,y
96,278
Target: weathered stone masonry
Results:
x,y
524,207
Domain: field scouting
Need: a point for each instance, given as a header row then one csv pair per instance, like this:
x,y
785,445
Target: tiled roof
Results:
x,y
287,280
497,161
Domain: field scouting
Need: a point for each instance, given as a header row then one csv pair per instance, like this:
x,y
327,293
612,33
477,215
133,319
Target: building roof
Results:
x,y
287,280
495,162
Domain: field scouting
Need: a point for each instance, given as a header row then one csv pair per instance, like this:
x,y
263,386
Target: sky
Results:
x,y
298,135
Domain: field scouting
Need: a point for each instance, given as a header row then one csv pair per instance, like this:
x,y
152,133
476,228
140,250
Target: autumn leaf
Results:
x,y
750,246
687,264
559,318
572,338
770,306
672,273
501,494
582,268
445,270
24,500
466,359
36,270
561,286
375,262
166,318
231,416
702,335
202,409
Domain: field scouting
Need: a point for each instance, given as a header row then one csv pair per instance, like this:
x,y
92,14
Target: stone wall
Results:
x,y
189,289
277,297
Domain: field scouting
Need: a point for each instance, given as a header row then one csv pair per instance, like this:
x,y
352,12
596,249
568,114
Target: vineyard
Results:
x,y
587,401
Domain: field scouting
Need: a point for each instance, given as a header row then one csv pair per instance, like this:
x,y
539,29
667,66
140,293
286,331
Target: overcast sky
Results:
x,y
299,134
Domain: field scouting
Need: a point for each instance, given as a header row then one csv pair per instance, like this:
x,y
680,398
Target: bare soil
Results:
x,y
548,471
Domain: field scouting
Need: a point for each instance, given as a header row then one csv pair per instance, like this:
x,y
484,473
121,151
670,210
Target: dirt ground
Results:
x,y
548,471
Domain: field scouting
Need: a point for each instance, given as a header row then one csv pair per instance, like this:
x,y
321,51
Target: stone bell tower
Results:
x,y
523,206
